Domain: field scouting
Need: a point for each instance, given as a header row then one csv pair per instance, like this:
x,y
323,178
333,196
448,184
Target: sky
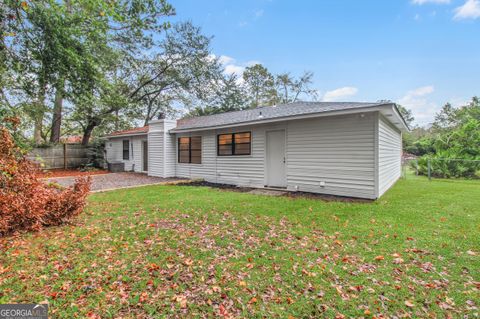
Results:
x,y
418,53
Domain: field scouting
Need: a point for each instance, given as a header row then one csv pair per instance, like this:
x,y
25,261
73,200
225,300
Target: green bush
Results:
x,y
96,154
457,153
449,168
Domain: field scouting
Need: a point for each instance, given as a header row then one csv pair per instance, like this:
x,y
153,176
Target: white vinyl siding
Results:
x,y
389,155
155,153
245,170
114,148
170,155
161,149
337,151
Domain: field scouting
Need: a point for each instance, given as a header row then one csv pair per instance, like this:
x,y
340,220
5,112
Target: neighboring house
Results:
x,y
346,149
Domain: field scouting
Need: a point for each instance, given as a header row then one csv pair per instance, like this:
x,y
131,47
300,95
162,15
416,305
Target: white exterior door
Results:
x,y
275,163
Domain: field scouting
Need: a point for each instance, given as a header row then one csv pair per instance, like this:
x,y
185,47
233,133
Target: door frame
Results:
x,y
143,156
275,129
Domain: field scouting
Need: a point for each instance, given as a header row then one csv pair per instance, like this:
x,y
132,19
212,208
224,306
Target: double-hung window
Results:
x,y
190,150
126,150
234,144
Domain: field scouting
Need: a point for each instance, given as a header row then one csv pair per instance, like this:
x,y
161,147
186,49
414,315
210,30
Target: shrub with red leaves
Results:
x,y
27,203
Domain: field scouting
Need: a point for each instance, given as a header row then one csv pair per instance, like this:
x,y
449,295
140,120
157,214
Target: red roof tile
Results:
x,y
137,130
75,139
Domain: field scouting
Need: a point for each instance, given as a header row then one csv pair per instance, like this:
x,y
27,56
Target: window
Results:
x,y
126,150
234,144
190,150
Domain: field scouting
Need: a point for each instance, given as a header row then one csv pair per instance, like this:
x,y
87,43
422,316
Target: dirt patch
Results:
x,y
233,188
327,198
69,173
226,187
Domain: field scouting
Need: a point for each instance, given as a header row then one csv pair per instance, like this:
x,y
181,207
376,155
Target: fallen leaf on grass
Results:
x,y
92,315
379,258
409,304
181,300
143,297
188,262
152,267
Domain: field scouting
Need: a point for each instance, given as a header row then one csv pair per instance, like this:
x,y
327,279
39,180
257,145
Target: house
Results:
x,y
72,139
337,148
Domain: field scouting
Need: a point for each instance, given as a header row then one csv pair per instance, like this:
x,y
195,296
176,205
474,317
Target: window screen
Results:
x,y
234,144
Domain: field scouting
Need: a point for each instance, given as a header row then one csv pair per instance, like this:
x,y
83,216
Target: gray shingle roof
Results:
x,y
268,112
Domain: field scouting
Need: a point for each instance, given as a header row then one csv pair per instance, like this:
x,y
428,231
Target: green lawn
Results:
x,y
179,251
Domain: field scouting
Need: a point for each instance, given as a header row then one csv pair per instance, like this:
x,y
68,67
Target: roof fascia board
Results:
x,y
126,135
397,112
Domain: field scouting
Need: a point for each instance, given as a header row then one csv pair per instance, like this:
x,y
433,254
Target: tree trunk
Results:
x,y
87,132
149,111
57,113
116,121
39,113
37,130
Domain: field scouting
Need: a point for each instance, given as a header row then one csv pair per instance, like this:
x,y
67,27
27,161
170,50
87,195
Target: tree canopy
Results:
x,y
451,144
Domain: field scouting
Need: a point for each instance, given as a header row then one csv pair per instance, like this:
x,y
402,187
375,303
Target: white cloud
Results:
x,y
259,13
339,93
420,2
422,108
234,69
231,66
421,91
469,10
225,59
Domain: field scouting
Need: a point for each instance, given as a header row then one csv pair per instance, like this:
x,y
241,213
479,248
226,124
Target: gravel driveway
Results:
x,y
115,180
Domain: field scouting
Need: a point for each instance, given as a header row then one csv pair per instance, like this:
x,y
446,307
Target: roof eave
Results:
x,y
295,117
126,135
405,124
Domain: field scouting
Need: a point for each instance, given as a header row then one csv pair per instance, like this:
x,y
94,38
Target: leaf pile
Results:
x,y
26,203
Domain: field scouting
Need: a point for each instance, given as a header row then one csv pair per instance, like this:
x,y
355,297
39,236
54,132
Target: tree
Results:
x,y
260,86
59,48
455,136
447,117
291,90
228,96
450,117
407,115
182,70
